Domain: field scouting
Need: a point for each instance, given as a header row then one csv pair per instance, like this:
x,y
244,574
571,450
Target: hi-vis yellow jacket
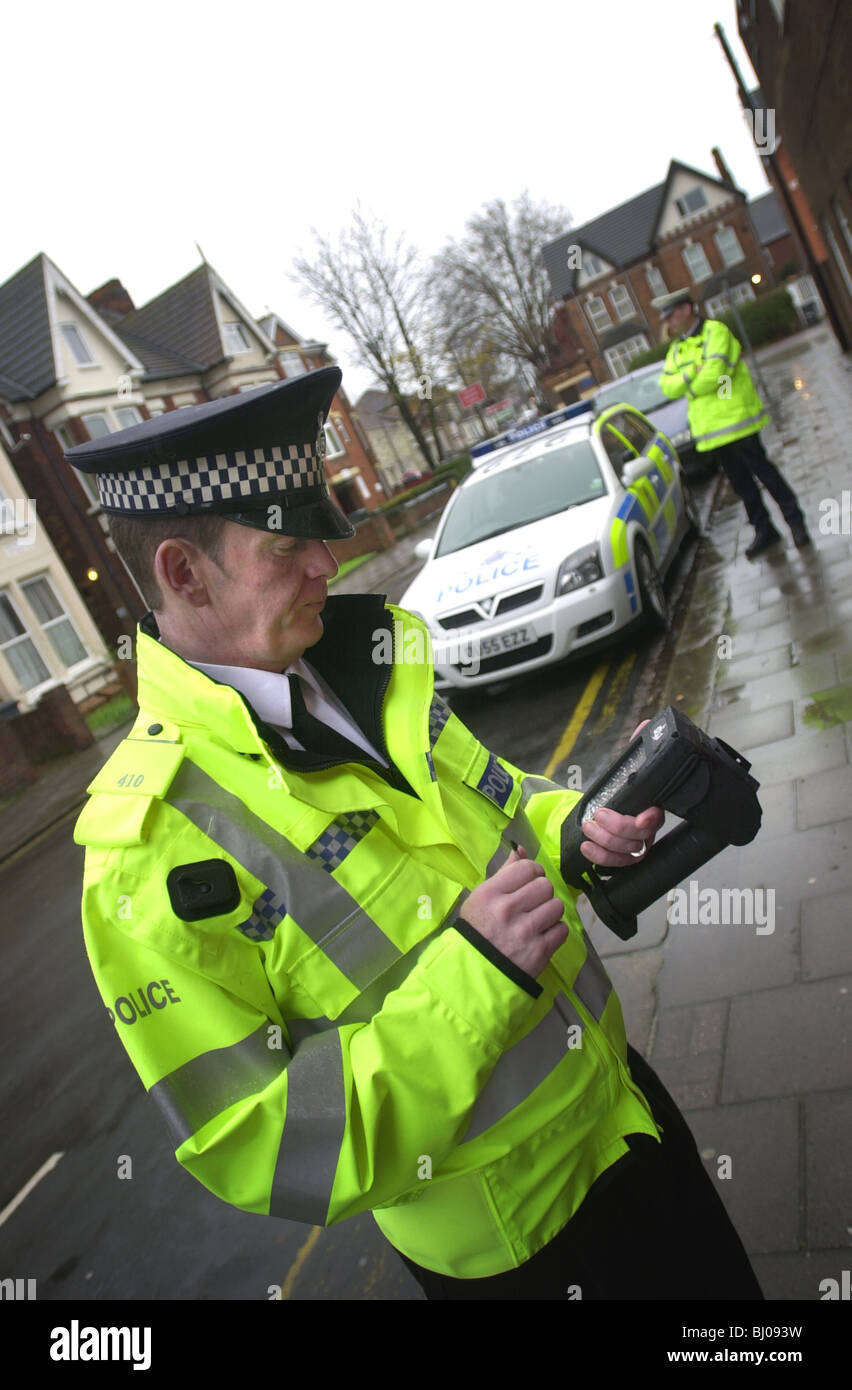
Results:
x,y
710,369
273,936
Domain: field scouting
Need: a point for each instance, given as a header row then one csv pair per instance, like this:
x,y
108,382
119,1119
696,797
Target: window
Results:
x,y
77,345
341,429
63,434
98,425
729,247
55,623
622,303
617,451
691,202
696,262
592,265
18,648
127,415
828,233
235,338
843,223
292,364
596,310
740,294
333,446
618,358
656,283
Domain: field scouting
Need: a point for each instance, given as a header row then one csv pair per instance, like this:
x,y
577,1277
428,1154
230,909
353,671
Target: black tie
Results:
x,y
314,736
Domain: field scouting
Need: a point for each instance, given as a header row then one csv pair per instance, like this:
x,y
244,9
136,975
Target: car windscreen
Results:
x,y
540,486
643,393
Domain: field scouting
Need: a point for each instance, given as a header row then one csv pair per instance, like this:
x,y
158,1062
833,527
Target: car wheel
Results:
x,y
690,511
652,595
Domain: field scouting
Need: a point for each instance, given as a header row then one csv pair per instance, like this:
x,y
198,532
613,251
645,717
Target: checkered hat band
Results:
x,y
234,475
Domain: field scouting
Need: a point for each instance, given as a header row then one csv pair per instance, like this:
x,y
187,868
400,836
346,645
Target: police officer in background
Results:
x,y
726,414
342,985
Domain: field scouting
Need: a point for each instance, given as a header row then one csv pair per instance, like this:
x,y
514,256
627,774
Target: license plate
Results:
x,y
507,641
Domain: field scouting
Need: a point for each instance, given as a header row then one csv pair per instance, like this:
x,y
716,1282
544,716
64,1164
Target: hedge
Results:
x,y
457,467
765,319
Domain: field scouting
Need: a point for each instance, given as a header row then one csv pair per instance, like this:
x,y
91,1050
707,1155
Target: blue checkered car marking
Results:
x,y
430,764
266,913
340,838
495,783
439,713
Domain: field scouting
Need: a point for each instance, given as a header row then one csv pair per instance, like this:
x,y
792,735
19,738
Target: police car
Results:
x,y
559,539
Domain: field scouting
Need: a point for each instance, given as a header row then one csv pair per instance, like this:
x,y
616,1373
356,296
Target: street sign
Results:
x,y
472,395
499,406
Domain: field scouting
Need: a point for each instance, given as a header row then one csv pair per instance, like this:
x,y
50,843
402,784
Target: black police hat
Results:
x,y
256,457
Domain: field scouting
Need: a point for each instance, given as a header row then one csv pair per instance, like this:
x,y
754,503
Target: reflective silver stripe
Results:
x,y
592,985
314,1128
523,1067
362,1009
209,1084
729,429
322,907
722,358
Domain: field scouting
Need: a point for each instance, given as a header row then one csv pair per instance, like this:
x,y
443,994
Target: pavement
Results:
x,y
746,1021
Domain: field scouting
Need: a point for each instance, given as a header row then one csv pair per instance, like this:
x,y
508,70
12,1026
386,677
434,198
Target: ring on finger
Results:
x,y
638,853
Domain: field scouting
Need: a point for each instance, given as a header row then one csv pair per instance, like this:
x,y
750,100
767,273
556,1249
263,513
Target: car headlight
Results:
x,y
580,569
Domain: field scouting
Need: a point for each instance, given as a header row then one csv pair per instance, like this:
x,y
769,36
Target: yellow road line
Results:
x,y
613,695
578,718
296,1267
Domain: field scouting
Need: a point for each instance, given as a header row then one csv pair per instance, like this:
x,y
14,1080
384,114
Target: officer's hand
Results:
x,y
616,841
517,910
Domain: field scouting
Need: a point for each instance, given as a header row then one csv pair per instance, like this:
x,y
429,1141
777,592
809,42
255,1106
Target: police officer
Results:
x,y
726,414
328,925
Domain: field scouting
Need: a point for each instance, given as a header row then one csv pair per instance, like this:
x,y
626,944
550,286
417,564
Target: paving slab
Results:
x,y
743,730
827,937
824,797
828,1169
761,1140
801,756
791,1041
752,667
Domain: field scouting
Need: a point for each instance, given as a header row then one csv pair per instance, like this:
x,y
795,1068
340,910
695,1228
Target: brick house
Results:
x,y
350,460
74,368
801,56
691,230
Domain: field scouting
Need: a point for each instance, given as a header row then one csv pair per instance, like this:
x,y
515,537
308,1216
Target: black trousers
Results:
x,y
652,1227
745,463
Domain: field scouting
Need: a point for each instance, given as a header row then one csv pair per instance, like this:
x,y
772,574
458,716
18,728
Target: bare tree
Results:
x,y
492,285
374,292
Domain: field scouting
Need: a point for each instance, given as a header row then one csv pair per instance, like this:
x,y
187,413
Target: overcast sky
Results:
x,y
132,132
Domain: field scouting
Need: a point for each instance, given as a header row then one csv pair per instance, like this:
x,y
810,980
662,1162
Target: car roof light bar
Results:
x,y
534,427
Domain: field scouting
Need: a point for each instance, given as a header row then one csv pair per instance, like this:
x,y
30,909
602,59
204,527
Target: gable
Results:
x,y
689,197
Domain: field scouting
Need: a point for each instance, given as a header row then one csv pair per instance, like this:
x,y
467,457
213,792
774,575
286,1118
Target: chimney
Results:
x,y
111,301
724,171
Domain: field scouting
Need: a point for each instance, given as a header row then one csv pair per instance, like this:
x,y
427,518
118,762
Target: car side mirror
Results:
x,y
633,469
423,549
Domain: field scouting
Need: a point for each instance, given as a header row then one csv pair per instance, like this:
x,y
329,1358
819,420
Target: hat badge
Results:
x,y
319,449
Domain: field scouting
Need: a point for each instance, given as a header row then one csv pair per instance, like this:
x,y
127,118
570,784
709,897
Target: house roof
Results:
x,y
157,361
768,218
181,321
26,347
621,236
